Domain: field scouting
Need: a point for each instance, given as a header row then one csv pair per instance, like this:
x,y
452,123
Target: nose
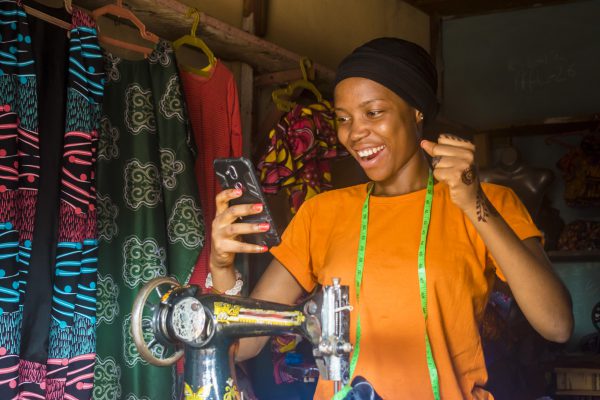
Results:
x,y
358,131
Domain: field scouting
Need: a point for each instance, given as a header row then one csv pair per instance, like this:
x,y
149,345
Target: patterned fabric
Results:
x,y
580,235
581,171
63,369
299,151
149,220
73,324
19,181
280,346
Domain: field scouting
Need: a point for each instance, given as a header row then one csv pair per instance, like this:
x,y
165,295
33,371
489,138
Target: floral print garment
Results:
x,y
300,149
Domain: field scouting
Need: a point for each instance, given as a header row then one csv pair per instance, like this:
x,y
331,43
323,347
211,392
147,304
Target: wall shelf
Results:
x,y
548,126
574,256
461,8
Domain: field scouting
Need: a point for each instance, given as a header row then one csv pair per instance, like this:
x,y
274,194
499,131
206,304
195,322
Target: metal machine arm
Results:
x,y
204,327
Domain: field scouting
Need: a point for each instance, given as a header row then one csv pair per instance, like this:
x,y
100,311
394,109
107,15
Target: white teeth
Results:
x,y
368,152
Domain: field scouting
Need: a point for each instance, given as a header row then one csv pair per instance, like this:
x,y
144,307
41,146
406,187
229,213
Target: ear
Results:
x,y
418,116
419,124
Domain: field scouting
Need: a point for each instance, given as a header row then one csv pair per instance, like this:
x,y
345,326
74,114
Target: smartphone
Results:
x,y
238,173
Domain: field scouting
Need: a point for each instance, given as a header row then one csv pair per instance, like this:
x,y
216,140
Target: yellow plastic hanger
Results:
x,y
283,97
194,41
119,11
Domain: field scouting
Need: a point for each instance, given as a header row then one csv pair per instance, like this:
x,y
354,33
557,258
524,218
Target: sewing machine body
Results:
x,y
206,328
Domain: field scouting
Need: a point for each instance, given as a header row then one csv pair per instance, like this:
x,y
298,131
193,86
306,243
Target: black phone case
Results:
x,y
239,173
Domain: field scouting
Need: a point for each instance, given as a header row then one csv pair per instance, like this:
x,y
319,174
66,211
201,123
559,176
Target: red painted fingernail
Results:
x,y
237,192
257,207
263,226
264,249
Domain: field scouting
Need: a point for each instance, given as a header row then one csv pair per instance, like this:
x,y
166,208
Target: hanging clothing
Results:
x,y
300,149
214,112
149,221
580,235
581,171
50,95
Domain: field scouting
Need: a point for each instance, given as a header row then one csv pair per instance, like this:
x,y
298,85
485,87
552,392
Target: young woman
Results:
x,y
435,238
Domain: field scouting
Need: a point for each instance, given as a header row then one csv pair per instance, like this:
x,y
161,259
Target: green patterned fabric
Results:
x,y
149,218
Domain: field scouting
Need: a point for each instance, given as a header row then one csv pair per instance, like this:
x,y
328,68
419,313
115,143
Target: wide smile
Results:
x,y
370,153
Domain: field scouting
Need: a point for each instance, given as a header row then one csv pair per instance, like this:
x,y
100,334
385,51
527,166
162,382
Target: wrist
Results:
x,y
481,209
233,290
224,280
215,266
470,209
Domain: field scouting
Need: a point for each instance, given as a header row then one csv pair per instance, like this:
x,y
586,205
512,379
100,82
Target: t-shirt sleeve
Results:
x,y
294,250
510,207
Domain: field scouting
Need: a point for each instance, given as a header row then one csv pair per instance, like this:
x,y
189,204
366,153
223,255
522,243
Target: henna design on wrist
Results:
x,y
484,207
468,175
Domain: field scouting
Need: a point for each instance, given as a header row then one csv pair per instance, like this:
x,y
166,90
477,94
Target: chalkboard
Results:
x,y
522,66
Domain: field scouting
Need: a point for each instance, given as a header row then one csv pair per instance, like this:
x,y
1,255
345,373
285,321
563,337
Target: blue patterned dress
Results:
x,y
51,89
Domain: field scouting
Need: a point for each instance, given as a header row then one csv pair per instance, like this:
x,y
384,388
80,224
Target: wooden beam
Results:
x,y
277,78
167,18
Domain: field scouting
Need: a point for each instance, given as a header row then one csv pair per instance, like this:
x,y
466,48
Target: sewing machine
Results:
x,y
181,320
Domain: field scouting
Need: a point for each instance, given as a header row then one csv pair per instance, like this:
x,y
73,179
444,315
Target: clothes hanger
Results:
x,y
283,97
119,11
49,18
194,41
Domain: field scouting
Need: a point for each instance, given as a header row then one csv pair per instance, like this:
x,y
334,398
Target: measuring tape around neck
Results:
x,y
362,246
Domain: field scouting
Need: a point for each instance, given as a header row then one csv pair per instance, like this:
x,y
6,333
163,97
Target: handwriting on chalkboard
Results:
x,y
539,72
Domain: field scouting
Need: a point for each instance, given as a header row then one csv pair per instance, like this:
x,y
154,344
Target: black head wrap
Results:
x,y
401,66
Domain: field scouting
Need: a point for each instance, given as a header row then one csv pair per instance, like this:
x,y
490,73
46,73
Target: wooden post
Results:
x,y
257,10
483,156
246,98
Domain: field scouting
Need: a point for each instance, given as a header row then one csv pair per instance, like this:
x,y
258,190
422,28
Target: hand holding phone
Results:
x,y
238,173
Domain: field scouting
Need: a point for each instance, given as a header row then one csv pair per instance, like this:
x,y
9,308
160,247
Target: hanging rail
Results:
x,y
167,18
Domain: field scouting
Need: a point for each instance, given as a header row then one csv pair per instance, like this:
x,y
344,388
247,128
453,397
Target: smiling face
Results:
x,y
380,130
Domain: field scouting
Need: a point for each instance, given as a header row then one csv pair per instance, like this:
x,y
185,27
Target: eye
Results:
x,y
342,119
374,113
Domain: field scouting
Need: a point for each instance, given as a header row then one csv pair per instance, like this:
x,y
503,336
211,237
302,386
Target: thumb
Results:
x,y
428,146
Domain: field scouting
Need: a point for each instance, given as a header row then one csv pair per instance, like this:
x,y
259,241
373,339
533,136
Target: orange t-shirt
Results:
x,y
321,243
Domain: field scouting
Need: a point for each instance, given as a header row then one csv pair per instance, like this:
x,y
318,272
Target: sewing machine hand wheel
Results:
x,y
147,325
